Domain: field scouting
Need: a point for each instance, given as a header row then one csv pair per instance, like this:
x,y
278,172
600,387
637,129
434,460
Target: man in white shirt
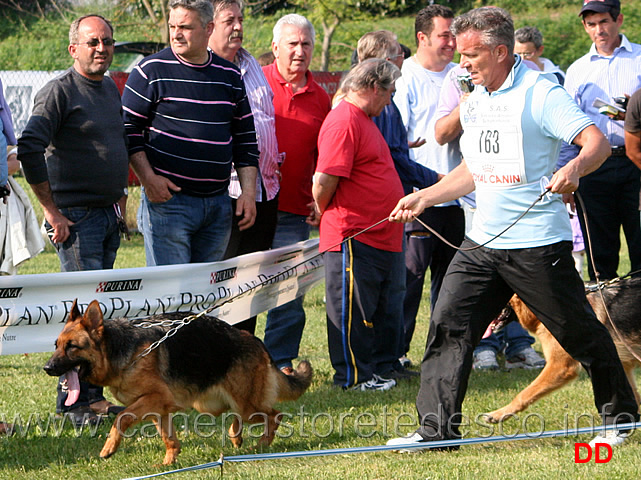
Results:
x,y
611,69
417,94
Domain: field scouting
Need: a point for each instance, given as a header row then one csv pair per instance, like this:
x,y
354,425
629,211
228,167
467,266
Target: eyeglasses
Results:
x,y
94,42
526,54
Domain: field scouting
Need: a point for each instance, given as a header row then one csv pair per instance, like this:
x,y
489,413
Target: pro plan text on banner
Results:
x,y
34,308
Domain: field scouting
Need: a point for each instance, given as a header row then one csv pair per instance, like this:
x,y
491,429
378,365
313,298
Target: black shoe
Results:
x,y
82,416
399,374
105,407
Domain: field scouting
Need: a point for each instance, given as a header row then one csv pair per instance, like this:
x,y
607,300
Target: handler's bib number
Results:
x,y
492,155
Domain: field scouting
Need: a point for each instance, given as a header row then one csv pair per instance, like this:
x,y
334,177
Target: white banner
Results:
x,y
34,308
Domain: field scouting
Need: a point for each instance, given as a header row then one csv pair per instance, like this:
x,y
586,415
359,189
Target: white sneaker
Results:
x,y
411,439
375,384
416,439
614,438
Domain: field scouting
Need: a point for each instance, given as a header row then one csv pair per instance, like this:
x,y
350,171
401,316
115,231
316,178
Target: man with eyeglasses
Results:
x,y
74,157
529,45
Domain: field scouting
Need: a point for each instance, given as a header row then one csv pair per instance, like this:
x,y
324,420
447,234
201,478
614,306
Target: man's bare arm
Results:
x,y
246,203
595,149
323,189
633,147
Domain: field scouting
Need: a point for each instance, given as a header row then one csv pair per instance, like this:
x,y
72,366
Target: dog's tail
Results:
x,y
290,387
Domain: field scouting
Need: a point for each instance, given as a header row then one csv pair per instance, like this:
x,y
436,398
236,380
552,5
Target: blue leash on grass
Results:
x,y
383,448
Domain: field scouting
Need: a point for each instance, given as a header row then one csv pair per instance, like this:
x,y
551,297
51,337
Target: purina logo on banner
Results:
x,y
34,308
119,286
223,275
10,292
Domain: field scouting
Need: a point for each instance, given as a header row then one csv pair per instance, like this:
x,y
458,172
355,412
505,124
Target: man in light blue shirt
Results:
x,y
513,123
611,69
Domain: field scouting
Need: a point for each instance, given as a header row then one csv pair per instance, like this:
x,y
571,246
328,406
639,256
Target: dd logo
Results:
x,y
597,452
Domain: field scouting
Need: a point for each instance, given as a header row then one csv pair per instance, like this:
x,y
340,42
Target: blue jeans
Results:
x,y
92,245
93,239
185,229
513,337
285,324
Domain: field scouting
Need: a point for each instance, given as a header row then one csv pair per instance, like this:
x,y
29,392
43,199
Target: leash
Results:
x,y
475,247
176,325
600,286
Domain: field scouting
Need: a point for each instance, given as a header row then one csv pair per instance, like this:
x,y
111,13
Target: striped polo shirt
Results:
x,y
192,121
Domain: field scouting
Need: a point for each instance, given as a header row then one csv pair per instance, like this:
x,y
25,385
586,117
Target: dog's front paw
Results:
x,y
171,455
108,449
497,416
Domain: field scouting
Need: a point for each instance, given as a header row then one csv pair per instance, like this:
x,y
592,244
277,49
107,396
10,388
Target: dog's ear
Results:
x,y
74,314
92,319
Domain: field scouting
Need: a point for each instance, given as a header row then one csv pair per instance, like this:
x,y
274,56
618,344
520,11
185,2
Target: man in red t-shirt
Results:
x,y
355,186
300,106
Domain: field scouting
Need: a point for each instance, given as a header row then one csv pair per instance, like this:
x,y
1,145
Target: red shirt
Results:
x,y
351,147
299,117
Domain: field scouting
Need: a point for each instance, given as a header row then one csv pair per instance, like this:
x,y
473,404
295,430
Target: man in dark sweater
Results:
x,y
74,156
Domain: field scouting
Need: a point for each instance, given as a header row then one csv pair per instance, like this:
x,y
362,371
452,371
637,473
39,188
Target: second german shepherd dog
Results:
x,y
207,365
623,302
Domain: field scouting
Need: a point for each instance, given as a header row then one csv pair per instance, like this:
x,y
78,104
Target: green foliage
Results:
x,y
28,43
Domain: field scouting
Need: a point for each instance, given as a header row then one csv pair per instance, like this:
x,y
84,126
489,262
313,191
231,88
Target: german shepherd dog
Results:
x,y
207,365
623,302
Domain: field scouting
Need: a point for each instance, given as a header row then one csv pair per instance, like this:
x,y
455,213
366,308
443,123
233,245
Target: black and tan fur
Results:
x,y
623,302
207,365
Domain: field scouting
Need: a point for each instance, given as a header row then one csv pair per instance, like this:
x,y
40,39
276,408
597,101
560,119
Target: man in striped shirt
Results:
x,y
226,41
188,121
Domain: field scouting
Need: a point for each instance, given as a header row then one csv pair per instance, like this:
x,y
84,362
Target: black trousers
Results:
x,y
257,238
427,251
477,286
363,333
611,197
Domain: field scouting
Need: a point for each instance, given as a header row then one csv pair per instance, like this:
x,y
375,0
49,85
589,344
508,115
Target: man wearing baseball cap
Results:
x,y
610,71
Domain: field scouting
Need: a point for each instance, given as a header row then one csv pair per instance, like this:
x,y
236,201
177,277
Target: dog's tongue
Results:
x,y
73,385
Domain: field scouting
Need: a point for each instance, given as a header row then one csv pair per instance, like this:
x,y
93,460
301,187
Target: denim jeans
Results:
x,y
285,324
513,338
92,244
93,239
185,229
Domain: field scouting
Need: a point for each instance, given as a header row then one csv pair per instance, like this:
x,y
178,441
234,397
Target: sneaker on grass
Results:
x,y
526,358
485,360
375,384
416,439
614,438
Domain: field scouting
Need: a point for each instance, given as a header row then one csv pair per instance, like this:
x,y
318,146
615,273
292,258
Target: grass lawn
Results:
x,y
324,418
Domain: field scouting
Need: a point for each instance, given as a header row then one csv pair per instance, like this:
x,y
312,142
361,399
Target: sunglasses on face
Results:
x,y
94,42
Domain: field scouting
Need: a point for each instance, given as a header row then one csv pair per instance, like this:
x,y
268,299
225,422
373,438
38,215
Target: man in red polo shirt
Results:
x,y
300,106
355,186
